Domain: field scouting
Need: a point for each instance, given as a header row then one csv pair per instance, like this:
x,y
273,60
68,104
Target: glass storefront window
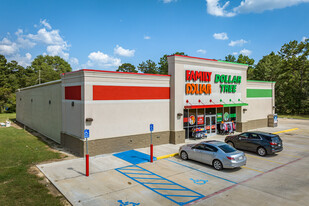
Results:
x,y
185,118
200,117
210,111
233,113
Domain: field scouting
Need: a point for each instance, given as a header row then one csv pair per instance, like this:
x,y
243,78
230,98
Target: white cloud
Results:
x,y
47,37
44,23
240,42
304,38
249,6
50,39
256,6
221,36
201,51
168,1
7,47
245,52
118,50
214,8
235,53
100,60
147,37
58,50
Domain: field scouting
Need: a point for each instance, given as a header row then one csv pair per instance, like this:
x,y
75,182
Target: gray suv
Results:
x,y
260,142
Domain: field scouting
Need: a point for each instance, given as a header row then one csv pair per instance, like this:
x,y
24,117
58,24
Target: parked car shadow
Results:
x,y
255,154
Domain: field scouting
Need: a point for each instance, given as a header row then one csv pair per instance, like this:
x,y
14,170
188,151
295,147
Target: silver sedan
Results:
x,y
218,154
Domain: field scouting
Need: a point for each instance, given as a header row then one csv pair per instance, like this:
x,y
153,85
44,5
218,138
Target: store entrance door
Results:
x,y
211,124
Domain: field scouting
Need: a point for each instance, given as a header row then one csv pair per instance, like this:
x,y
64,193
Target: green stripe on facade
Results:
x,y
260,81
255,93
232,62
235,105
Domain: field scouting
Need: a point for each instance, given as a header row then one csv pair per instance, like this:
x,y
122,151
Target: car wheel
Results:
x,y
261,151
231,143
184,155
217,164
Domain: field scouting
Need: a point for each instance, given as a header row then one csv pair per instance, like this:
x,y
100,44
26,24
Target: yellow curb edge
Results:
x,y
288,130
167,156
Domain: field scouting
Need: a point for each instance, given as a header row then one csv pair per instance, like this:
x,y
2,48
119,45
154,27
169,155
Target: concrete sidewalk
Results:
x,y
69,175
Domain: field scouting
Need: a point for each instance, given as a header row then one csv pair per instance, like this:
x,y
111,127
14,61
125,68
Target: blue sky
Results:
x,y
102,34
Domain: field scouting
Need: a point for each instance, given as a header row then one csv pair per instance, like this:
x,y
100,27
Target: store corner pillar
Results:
x,y
177,135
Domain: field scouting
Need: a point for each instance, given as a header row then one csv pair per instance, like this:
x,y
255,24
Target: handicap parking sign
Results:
x,y
86,133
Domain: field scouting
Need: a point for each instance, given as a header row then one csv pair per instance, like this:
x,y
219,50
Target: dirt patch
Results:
x,y
51,188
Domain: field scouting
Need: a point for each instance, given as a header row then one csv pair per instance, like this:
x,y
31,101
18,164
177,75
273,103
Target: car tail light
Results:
x,y
230,158
273,143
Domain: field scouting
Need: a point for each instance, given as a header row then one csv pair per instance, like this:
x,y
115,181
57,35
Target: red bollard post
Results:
x,y
151,153
87,165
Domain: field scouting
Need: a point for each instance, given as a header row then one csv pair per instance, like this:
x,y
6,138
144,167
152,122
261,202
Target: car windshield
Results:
x,y
227,148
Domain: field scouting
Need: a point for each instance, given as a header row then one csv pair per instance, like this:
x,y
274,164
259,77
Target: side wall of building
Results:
x,y
39,107
261,102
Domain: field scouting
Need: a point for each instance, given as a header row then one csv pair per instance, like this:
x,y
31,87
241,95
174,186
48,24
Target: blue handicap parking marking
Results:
x,y
199,182
127,203
168,189
134,157
203,172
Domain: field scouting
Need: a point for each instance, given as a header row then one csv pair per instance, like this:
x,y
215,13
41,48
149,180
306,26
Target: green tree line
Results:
x,y
289,68
14,76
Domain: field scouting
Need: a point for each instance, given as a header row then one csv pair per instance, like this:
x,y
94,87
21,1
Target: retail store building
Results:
x,y
118,107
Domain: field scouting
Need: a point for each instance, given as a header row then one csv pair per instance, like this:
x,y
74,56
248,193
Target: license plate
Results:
x,y
279,145
241,157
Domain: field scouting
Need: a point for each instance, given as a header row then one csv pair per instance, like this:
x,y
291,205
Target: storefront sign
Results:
x,y
198,88
211,85
192,120
230,87
200,119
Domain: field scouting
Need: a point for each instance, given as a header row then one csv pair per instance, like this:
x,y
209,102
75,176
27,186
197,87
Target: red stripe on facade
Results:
x,y
203,106
129,93
73,92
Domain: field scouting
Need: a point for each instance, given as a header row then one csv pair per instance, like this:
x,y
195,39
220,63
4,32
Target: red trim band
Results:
x,y
73,92
129,93
203,106
94,70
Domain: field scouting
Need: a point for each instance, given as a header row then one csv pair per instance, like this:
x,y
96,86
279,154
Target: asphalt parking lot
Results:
x,y
280,179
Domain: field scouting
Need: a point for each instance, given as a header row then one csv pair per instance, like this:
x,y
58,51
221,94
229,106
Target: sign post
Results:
x,y
151,146
86,136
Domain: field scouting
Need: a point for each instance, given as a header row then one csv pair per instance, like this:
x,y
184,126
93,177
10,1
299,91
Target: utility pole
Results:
x,y
40,76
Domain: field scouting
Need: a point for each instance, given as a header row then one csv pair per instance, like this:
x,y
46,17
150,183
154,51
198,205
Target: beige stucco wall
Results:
x,y
39,114
114,118
259,107
177,66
